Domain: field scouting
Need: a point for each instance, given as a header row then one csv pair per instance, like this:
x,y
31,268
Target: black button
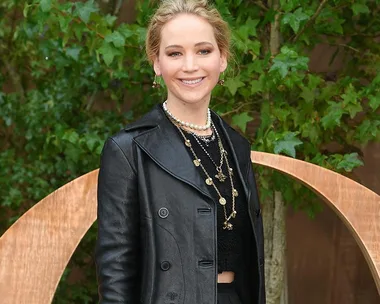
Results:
x,y
163,213
165,265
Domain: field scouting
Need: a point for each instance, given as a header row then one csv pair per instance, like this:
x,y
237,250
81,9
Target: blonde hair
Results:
x,y
168,9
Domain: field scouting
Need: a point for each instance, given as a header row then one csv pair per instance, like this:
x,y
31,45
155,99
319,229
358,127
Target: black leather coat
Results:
x,y
157,233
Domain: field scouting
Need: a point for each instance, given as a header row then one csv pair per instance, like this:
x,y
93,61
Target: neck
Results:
x,y
195,113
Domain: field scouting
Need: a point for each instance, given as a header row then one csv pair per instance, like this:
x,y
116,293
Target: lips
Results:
x,y
192,81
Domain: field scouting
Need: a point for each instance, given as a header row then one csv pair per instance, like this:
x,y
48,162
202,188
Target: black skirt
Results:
x,y
227,294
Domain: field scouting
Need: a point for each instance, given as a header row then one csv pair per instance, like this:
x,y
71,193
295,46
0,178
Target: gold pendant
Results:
x,y
209,181
187,143
222,201
231,171
228,226
235,192
197,162
233,214
220,176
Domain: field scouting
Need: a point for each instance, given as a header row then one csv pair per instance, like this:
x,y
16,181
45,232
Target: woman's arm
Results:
x,y
117,247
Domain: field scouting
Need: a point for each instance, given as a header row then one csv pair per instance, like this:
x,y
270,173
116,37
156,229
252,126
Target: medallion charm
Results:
x,y
235,193
197,162
209,181
228,226
187,143
233,214
222,201
220,176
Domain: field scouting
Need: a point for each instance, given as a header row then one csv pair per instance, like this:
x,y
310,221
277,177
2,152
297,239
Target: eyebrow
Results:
x,y
197,44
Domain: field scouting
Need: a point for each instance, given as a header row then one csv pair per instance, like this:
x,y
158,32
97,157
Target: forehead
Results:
x,y
186,29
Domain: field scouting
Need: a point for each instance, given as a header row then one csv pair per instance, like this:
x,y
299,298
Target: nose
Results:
x,y
190,64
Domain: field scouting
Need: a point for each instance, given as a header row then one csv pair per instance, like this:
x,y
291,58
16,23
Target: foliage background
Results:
x,y
72,75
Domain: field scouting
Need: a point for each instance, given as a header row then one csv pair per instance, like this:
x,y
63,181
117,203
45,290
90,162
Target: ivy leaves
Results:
x,y
287,144
288,60
295,19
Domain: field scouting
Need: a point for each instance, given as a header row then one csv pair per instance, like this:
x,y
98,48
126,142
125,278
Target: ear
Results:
x,y
156,67
223,63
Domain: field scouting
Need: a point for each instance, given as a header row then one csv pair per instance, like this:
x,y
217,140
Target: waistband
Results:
x,y
226,287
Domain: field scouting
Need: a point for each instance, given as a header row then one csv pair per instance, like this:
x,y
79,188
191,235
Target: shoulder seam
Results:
x,y
122,152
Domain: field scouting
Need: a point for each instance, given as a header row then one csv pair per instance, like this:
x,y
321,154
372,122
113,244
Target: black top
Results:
x,y
230,242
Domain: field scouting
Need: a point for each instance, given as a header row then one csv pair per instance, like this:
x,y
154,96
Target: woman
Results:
x,y
178,213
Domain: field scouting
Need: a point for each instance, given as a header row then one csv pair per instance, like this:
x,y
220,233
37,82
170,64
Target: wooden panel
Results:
x,y
35,250
357,206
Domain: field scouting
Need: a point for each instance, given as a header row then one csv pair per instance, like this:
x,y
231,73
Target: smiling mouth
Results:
x,y
194,81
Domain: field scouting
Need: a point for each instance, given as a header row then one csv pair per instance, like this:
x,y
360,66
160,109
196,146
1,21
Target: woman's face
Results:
x,y
189,59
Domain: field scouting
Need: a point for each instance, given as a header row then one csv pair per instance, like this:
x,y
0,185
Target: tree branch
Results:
x,y
234,110
261,4
311,20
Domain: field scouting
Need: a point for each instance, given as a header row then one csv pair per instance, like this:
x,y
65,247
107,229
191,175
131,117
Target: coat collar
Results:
x,y
163,144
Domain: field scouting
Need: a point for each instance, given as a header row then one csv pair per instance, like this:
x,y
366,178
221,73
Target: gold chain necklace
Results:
x,y
222,201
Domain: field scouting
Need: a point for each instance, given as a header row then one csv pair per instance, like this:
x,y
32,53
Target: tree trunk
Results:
x,y
274,212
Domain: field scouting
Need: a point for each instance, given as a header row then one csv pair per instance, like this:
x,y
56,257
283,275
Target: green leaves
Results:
x,y
288,60
295,19
374,101
84,10
333,116
45,5
233,84
346,162
116,38
109,52
241,120
359,8
287,144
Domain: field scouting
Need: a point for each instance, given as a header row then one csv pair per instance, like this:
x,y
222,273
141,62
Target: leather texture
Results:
x,y
155,243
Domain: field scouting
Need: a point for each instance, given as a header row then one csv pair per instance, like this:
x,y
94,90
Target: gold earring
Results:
x,y
155,84
221,81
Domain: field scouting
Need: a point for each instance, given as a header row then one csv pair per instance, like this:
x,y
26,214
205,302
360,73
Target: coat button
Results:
x,y
165,265
163,213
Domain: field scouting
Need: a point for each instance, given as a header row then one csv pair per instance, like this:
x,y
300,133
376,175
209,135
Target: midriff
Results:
x,y
226,277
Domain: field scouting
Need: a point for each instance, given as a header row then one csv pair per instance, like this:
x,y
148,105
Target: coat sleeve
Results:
x,y
117,246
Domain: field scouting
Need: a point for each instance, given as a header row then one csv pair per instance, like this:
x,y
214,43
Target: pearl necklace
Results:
x,y
187,124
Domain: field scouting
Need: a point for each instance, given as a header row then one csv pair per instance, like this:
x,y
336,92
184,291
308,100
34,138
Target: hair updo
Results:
x,y
168,9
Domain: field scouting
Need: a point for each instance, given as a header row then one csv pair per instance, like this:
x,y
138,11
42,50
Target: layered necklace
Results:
x,y
186,124
220,175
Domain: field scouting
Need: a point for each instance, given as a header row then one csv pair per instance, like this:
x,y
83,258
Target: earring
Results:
x,y
155,84
221,81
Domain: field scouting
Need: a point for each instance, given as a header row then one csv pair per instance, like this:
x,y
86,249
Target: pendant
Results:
x,y
233,214
220,176
228,226
235,192
222,201
187,143
197,162
209,181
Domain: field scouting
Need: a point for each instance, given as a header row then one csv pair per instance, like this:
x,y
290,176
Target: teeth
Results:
x,y
192,81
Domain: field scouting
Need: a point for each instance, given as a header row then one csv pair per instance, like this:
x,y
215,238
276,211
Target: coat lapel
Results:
x,y
238,146
165,146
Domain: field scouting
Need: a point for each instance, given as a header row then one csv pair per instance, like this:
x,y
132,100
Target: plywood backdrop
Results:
x,y
36,249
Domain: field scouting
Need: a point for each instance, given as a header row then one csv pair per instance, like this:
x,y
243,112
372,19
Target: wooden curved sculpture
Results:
x,y
36,249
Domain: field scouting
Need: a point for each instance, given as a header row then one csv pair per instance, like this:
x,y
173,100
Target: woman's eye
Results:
x,y
174,54
204,52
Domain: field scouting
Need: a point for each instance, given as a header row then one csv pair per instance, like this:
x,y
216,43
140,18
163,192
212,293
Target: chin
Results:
x,y
196,98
